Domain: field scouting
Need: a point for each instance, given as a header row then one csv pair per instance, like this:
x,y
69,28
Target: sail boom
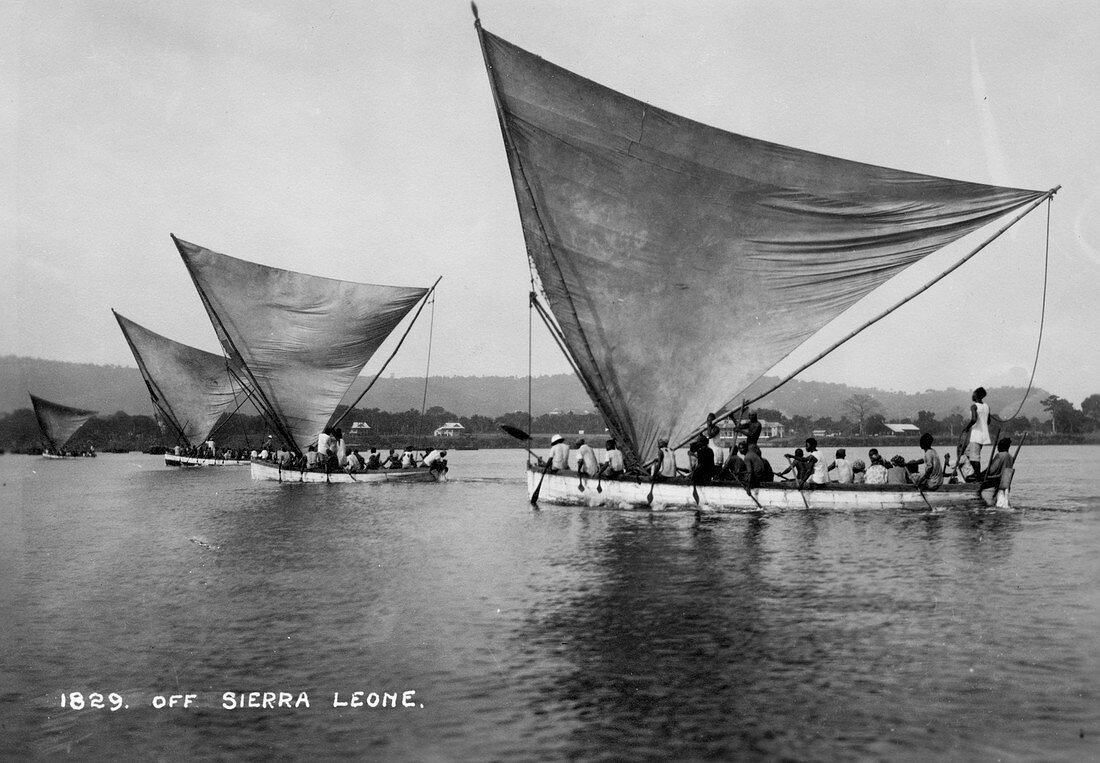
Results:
x,y
726,411
423,302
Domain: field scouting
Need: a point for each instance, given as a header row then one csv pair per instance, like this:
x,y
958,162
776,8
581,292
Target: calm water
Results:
x,y
540,634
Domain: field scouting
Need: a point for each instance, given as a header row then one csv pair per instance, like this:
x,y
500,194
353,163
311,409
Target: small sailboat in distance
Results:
x,y
58,424
192,391
676,263
300,342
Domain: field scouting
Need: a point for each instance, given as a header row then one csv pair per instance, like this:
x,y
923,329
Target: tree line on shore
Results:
x,y
120,431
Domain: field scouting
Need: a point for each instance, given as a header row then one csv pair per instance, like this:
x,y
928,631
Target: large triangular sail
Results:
x,y
301,340
191,389
680,261
58,422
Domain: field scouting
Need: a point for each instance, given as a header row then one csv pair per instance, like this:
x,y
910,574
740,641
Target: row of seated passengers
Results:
x,y
331,454
207,450
746,465
353,461
334,458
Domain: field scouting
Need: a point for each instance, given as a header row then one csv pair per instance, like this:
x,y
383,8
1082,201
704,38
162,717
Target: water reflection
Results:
x,y
672,643
755,634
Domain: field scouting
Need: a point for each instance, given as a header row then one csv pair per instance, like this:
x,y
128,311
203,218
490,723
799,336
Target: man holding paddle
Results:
x,y
931,467
559,453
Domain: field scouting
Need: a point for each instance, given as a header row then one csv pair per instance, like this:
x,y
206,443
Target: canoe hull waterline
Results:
x,y
265,470
564,488
171,459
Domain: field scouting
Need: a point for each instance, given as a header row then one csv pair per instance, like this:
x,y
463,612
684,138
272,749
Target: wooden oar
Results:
x,y
799,483
1019,445
749,492
653,480
538,487
993,448
599,478
580,480
742,484
923,496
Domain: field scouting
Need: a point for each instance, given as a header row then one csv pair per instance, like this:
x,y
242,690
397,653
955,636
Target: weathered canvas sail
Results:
x,y
300,339
190,388
681,261
58,422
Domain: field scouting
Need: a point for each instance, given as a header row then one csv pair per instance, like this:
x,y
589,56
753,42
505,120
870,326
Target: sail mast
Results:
x,y
155,395
42,424
617,427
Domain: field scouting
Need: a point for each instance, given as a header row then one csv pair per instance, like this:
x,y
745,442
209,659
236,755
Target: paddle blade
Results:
x,y
538,487
516,432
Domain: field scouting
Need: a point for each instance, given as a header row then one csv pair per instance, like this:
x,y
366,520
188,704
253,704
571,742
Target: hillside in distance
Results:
x,y
109,389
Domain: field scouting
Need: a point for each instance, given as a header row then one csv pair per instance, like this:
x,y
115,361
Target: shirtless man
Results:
x,y
997,465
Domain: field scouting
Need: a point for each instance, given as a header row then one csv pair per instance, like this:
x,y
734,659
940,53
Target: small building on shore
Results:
x,y
450,429
768,430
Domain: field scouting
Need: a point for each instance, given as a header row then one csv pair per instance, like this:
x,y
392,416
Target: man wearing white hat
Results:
x,y
559,453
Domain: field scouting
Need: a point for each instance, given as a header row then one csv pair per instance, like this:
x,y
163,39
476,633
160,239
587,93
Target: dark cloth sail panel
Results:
x,y
682,261
190,387
303,339
59,422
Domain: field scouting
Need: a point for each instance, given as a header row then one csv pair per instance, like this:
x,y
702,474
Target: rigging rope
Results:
x,y
1042,318
530,350
427,368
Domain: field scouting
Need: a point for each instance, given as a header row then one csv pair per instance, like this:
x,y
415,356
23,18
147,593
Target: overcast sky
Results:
x,y
358,140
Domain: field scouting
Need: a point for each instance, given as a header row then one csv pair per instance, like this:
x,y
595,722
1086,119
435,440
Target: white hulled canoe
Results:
x,y
564,488
171,459
265,470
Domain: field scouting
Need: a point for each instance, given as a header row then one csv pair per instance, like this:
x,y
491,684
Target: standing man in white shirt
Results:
x,y
978,430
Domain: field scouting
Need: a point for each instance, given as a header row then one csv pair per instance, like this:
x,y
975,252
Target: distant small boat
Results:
x,y
58,424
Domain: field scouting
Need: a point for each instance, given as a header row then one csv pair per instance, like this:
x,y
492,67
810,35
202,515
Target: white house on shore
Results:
x,y
450,429
768,429
903,428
